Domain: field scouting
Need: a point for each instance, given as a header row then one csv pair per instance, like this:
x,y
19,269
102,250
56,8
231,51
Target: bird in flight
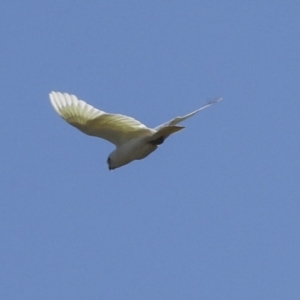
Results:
x,y
133,140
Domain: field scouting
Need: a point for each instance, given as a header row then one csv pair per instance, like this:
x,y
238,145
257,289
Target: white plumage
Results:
x,y
133,139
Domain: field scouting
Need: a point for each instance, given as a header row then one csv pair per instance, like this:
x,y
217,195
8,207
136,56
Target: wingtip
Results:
x,y
216,100
53,102
52,94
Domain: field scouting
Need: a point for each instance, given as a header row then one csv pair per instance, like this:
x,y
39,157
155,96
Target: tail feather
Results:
x,y
164,132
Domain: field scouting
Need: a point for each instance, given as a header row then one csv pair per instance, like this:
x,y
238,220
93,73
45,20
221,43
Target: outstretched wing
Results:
x,y
180,119
115,128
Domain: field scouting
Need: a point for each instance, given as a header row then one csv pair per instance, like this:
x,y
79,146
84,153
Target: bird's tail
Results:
x,y
158,137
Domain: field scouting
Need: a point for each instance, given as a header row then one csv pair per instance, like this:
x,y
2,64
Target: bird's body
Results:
x,y
133,139
134,149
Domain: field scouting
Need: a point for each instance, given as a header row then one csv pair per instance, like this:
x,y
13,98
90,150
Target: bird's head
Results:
x,y
110,164
119,157
114,160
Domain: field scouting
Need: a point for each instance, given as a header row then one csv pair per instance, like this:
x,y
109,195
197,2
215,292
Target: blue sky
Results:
x,y
213,213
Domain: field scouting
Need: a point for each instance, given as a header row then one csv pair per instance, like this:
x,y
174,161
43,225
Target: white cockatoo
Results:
x,y
133,140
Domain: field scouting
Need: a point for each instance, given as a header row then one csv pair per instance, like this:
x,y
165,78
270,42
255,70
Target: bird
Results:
x,y
133,140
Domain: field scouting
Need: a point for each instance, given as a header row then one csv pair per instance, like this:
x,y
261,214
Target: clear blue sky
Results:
x,y
214,213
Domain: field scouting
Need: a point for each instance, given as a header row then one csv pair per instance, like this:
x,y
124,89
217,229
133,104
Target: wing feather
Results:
x,y
115,128
180,119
